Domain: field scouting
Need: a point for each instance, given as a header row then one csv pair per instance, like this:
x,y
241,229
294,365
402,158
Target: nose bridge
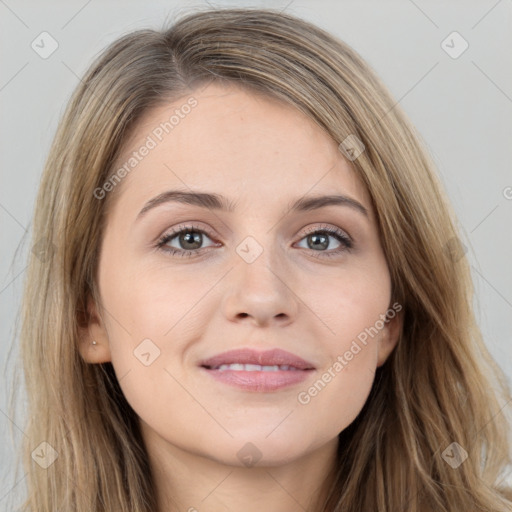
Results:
x,y
259,285
258,261
262,266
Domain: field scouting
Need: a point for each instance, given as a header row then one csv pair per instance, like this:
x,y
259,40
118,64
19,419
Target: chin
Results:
x,y
251,449
250,455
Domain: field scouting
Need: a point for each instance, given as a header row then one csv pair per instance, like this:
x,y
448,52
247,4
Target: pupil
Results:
x,y
315,243
191,238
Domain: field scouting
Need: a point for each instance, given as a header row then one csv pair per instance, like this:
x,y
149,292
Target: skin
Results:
x,y
262,154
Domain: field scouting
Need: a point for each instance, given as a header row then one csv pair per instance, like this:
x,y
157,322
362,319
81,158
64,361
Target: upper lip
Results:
x,y
249,356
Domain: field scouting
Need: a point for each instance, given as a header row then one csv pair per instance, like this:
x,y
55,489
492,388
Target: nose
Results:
x,y
261,293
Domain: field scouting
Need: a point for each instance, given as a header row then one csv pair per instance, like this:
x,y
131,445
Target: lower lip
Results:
x,y
259,380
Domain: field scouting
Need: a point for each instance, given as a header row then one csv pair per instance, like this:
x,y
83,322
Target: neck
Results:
x,y
190,482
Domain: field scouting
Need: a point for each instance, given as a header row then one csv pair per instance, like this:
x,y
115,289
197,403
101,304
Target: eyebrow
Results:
x,y
218,202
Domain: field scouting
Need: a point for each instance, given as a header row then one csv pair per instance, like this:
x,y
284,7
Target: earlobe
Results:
x,y
389,337
93,343
94,352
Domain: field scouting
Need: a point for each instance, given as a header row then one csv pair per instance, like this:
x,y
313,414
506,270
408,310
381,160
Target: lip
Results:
x,y
258,380
267,358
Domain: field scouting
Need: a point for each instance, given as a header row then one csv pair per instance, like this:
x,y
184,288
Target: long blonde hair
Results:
x,y
439,386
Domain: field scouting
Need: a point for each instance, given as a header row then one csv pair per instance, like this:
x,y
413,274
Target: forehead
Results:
x,y
229,140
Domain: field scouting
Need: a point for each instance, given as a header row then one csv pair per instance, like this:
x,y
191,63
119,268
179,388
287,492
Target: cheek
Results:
x,y
152,303
151,323
350,320
341,387
351,307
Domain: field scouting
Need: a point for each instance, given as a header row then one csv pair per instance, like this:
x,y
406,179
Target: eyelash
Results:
x,y
343,238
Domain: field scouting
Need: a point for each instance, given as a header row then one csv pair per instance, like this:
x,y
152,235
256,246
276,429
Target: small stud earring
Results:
x,y
94,342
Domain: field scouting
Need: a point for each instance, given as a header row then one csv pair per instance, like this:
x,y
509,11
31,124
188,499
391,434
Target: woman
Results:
x,y
315,347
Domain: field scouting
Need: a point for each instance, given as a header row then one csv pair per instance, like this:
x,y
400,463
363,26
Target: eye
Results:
x,y
318,240
189,240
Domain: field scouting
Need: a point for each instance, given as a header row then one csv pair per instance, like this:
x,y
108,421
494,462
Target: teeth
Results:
x,y
254,367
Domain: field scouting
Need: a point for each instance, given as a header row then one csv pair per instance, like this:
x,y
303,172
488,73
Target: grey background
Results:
x,y
462,107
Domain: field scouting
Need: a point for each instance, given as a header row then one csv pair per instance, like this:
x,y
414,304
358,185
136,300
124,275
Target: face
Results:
x,y
183,281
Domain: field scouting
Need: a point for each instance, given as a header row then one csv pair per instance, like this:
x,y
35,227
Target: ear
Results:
x,y
92,329
390,334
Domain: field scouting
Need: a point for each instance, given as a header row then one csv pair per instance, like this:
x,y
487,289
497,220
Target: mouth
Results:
x,y
258,371
254,367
